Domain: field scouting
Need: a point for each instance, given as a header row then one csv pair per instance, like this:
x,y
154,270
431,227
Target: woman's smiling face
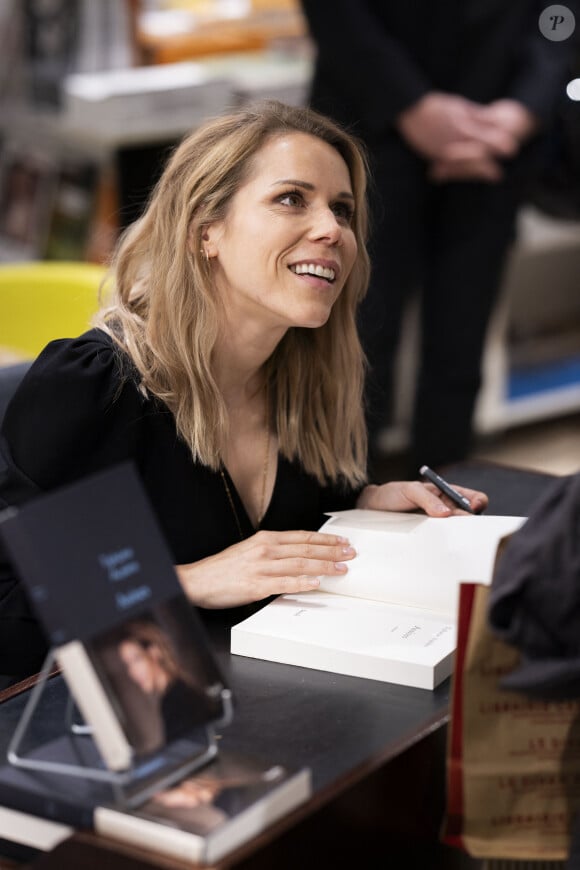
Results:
x,y
284,250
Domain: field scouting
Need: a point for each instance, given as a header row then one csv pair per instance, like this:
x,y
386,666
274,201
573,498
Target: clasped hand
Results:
x,y
275,563
465,140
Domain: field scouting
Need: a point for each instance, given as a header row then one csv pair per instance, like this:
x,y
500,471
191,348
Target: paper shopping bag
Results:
x,y
513,763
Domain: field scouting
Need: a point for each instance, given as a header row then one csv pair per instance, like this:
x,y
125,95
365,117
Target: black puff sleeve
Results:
x,y
77,410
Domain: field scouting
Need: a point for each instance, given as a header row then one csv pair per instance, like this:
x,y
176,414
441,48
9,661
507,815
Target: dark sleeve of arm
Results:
x,y
369,66
535,593
339,497
73,413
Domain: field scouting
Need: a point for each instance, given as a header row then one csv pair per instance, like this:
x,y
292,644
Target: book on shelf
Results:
x,y
392,617
72,211
133,650
201,817
27,183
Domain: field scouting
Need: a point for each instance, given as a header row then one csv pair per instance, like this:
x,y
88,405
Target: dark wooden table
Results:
x,y
376,750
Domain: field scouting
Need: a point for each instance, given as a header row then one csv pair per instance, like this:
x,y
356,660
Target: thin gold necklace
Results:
x,y
232,505
265,470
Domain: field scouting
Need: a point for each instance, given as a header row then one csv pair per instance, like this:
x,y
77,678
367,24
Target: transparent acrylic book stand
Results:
x,y
133,785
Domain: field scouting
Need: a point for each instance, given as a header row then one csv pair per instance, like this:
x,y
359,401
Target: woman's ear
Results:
x,y
206,247
211,236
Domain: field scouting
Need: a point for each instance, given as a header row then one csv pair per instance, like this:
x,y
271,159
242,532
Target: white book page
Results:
x,y
350,636
338,622
414,560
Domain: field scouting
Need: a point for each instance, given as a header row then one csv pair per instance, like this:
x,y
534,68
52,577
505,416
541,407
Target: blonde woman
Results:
x,y
228,365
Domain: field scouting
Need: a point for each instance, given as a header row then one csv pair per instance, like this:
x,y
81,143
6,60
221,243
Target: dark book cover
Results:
x,y
71,799
100,576
91,554
67,799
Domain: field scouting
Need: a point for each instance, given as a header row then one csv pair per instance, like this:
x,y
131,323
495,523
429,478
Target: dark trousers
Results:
x,y
449,243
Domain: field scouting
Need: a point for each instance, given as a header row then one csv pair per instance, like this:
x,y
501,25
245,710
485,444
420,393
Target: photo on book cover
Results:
x,y
159,675
208,799
101,579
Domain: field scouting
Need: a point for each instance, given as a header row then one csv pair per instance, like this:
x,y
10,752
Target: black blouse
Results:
x,y
79,410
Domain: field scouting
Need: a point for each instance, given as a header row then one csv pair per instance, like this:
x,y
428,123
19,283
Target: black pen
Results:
x,y
460,500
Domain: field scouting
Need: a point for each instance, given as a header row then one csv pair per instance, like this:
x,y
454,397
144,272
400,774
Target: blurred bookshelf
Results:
x,y
95,95
532,361
181,30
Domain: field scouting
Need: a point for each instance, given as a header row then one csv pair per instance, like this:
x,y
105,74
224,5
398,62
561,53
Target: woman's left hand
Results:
x,y
408,495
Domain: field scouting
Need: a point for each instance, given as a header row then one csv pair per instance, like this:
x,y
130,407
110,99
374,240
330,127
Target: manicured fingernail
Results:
x,y
342,540
442,509
314,581
349,551
340,566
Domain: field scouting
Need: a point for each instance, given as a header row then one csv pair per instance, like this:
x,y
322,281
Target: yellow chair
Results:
x,y
41,301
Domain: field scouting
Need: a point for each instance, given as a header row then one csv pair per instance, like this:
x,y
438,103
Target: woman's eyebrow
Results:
x,y
344,194
305,184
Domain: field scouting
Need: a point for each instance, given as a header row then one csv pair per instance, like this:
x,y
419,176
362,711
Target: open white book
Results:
x,y
392,617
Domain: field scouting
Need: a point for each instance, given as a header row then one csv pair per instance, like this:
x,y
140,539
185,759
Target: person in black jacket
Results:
x,y
450,98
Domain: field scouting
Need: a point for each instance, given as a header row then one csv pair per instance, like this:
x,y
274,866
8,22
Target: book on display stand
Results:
x,y
131,647
141,763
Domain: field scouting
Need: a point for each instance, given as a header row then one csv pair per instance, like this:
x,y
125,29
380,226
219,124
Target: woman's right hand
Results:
x,y
268,563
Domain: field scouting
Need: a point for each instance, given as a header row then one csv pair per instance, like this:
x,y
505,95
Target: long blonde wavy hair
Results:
x,y
165,313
